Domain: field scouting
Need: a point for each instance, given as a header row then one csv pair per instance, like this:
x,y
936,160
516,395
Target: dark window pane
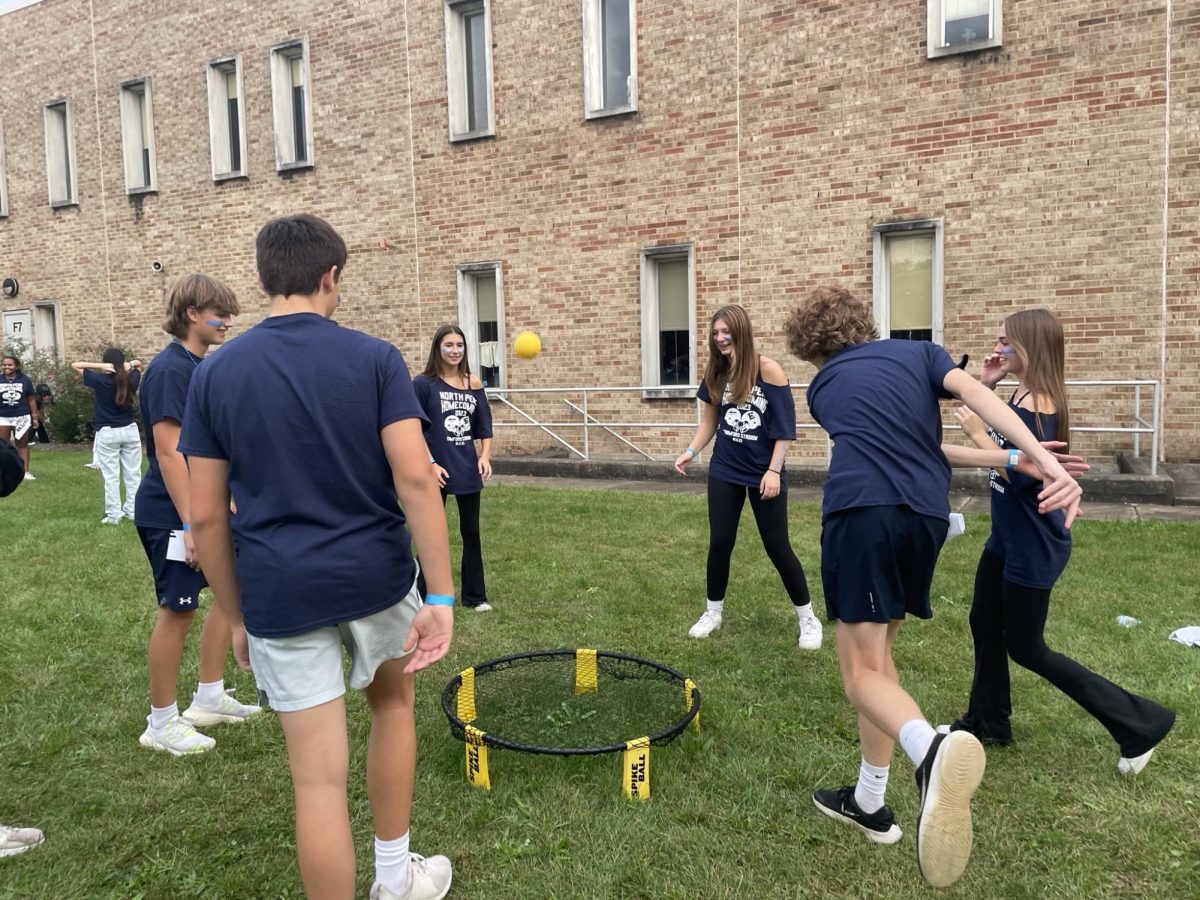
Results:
x,y
235,139
475,58
966,30
615,52
913,334
298,135
673,357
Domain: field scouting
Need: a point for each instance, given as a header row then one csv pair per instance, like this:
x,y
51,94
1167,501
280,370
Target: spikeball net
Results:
x,y
570,703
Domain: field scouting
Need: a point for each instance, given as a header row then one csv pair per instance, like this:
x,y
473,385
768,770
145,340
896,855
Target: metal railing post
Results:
x,y
1137,420
586,448
1154,434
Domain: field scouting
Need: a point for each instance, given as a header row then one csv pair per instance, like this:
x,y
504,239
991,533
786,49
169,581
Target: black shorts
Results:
x,y
177,585
877,563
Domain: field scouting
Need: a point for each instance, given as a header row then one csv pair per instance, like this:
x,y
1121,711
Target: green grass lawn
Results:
x,y
730,815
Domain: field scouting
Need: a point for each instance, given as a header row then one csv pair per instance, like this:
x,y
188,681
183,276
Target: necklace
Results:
x,y
190,355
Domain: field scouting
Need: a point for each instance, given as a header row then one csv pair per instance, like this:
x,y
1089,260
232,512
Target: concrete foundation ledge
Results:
x,y
1108,486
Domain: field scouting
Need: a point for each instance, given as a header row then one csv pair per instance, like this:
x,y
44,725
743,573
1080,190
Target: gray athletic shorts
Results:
x,y
305,670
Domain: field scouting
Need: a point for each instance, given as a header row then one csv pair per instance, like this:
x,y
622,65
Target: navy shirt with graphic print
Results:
x,y
14,396
457,418
746,433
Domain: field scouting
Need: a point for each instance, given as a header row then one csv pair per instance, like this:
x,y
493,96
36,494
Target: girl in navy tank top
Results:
x,y
1024,556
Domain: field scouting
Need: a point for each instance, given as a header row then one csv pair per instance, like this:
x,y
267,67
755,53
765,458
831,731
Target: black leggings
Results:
x,y
725,502
471,585
1008,620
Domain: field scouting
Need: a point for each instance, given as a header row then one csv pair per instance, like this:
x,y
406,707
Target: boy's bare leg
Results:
x,y
319,755
215,640
872,684
165,654
392,750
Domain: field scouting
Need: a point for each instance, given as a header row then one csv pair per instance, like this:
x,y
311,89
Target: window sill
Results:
x,y
670,392
140,192
65,204
609,113
293,166
961,49
468,136
230,176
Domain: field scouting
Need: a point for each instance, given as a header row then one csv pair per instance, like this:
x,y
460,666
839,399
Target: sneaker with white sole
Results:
x,y
227,711
838,803
428,879
91,465
481,607
946,780
811,633
111,520
18,840
179,738
706,624
29,476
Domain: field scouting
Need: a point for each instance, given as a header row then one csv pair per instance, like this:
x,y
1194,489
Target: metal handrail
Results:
x,y
588,420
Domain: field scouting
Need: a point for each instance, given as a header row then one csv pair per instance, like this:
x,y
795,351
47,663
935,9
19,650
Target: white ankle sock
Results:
x,y
872,787
804,612
160,717
391,863
208,694
714,605
915,738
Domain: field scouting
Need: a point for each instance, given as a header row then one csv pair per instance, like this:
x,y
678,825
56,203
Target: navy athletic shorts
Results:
x,y
877,563
176,584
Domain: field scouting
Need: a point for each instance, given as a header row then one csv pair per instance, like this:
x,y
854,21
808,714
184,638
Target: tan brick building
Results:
x,y
612,192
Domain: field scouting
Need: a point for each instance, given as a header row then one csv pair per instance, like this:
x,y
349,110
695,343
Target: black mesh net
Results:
x,y
528,702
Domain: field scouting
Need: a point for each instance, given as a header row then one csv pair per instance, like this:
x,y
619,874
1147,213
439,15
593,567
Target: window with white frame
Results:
x,y
669,317
226,115
907,280
3,176
960,26
137,137
46,327
291,101
609,57
481,317
469,69
60,152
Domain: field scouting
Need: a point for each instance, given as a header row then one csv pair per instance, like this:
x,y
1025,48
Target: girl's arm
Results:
x,y
993,457
1059,489
768,487
485,458
704,434
99,367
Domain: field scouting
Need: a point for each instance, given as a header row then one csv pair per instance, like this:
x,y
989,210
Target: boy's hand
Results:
x,y
241,648
1059,490
432,628
1075,465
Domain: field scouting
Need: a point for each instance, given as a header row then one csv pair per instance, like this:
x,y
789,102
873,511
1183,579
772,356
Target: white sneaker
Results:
x,y
18,840
706,624
111,520
811,633
1132,766
483,607
228,710
179,738
428,879
29,476
91,465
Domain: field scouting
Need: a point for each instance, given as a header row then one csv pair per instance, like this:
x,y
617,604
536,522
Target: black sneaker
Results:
x,y
946,780
988,736
879,826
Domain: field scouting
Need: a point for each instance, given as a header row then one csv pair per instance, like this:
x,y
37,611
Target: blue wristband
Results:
x,y
187,526
439,599
1013,458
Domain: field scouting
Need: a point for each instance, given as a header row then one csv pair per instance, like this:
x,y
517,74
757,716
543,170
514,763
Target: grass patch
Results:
x,y
730,814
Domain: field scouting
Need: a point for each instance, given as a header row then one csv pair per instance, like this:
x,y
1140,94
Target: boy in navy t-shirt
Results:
x,y
316,457
885,516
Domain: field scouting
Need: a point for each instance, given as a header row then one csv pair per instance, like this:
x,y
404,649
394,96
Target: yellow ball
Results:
x,y
527,345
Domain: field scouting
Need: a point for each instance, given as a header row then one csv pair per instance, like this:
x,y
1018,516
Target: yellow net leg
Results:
x,y
466,696
477,764
688,687
636,765
586,677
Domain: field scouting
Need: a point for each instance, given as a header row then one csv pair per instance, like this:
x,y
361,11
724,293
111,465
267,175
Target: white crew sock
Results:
x,y
391,863
714,605
872,786
915,738
804,612
208,694
160,717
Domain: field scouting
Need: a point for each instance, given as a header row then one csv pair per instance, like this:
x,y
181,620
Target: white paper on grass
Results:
x,y
1189,636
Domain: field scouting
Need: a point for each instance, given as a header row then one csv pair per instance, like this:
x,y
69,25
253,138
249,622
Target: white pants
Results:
x,y
117,449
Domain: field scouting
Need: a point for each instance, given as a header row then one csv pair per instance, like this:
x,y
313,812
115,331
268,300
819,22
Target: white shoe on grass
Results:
x,y
91,465
179,738
811,633
482,607
227,711
111,520
428,879
946,780
1134,765
18,840
29,476
706,624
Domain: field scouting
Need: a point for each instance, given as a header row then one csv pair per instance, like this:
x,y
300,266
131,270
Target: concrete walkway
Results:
x,y
967,503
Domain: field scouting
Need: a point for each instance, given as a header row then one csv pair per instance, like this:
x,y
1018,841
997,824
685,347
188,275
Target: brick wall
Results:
x,y
773,145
